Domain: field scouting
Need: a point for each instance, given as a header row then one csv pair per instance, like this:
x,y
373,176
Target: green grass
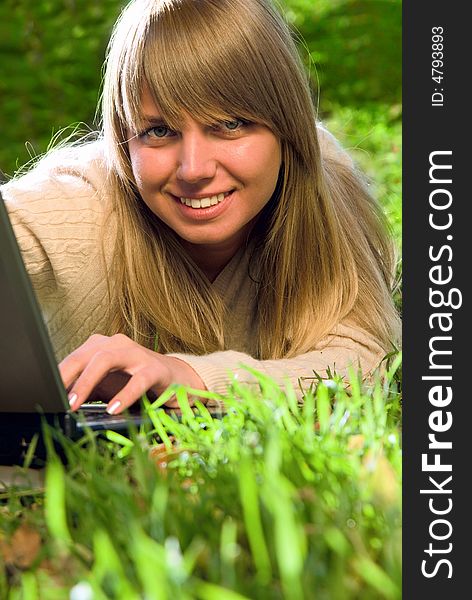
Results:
x,y
272,500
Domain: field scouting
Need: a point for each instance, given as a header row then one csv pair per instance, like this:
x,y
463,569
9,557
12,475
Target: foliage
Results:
x,y
273,499
51,55
352,48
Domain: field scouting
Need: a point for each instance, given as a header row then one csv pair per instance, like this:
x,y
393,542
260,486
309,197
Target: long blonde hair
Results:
x,y
321,252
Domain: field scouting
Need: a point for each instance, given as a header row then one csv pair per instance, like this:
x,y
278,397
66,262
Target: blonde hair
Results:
x,y
321,253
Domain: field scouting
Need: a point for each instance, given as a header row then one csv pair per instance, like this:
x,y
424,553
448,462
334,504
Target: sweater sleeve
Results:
x,y
56,210
347,347
52,229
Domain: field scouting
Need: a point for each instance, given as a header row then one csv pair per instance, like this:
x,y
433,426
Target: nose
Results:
x,y
197,159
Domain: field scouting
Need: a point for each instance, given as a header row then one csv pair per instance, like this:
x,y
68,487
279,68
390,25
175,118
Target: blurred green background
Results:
x,y
51,52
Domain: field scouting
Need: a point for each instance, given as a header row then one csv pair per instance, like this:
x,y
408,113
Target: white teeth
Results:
x,y
204,202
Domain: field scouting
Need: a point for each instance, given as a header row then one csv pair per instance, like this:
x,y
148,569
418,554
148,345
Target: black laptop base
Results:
x,y
17,433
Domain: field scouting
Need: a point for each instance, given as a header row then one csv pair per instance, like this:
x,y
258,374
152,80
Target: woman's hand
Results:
x,y
84,368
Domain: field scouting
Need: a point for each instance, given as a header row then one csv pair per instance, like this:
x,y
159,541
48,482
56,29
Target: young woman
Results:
x,y
212,224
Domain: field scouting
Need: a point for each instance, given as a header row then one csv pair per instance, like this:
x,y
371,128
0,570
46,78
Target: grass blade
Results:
x,y
55,501
252,519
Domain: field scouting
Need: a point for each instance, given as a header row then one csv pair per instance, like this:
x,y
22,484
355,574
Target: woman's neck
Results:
x,y
211,259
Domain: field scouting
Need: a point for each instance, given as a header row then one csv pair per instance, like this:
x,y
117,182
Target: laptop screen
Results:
x,y
29,377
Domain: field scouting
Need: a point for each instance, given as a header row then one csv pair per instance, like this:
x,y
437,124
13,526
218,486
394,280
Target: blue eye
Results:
x,y
159,131
234,124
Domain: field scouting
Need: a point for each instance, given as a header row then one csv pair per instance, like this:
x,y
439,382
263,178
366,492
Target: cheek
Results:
x,y
257,152
148,169
264,165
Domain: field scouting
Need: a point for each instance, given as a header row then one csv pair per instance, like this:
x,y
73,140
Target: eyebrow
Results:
x,y
153,119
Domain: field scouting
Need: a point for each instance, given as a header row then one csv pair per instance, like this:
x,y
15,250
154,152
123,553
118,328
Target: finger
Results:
x,y
139,384
70,368
101,363
172,403
73,364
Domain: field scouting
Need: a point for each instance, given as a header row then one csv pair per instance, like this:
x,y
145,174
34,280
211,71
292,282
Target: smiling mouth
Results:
x,y
205,202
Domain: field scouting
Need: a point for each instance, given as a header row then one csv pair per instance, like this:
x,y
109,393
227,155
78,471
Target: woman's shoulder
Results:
x,y
331,148
58,208
67,178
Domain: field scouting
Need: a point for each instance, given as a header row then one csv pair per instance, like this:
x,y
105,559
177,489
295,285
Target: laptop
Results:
x,y
31,388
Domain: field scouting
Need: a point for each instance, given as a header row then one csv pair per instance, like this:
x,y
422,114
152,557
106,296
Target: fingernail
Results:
x,y
111,410
72,398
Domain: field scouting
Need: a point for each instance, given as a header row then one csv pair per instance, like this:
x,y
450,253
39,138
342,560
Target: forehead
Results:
x,y
151,113
149,107
176,115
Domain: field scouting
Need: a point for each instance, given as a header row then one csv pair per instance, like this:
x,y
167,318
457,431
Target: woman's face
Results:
x,y
207,183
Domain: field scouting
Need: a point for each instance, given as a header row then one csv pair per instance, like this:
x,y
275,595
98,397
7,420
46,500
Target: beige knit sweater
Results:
x,y
57,214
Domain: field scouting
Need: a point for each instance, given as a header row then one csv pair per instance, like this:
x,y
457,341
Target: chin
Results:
x,y
205,240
